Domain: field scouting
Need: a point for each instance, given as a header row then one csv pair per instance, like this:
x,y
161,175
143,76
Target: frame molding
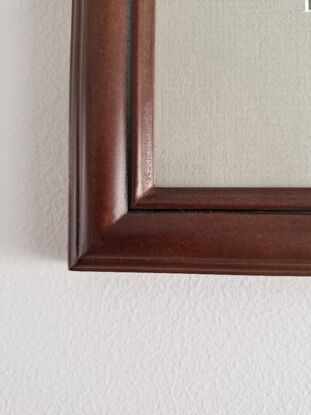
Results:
x,y
118,220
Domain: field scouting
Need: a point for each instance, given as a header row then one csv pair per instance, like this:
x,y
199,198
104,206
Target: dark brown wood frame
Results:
x,y
118,220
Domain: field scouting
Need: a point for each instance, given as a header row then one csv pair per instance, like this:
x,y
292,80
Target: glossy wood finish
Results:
x,y
204,242
118,221
249,199
98,184
142,98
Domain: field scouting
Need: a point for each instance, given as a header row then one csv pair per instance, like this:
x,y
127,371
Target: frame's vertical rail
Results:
x,y
142,97
97,122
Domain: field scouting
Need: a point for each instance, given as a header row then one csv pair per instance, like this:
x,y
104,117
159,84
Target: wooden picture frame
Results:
x,y
118,220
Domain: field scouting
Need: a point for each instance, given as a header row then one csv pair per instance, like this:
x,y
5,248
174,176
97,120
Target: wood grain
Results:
x,y
98,187
204,242
248,199
142,102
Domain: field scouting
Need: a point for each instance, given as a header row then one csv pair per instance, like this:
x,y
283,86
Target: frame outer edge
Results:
x,y
73,230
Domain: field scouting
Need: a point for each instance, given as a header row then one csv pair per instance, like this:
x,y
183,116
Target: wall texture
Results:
x,y
115,344
233,84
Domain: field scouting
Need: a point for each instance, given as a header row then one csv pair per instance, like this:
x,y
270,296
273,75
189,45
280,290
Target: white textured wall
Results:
x,y
110,343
